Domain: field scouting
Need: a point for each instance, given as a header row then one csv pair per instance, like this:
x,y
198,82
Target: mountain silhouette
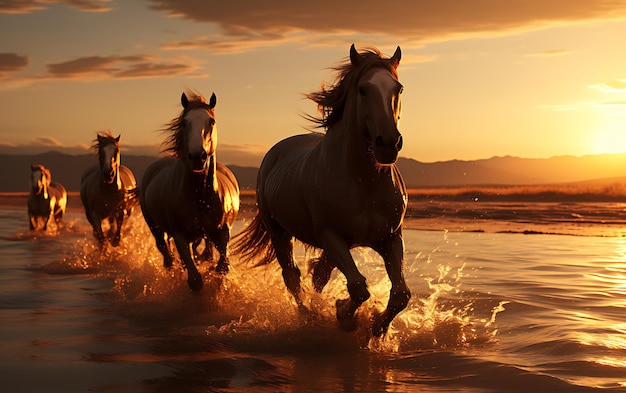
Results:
x,y
67,170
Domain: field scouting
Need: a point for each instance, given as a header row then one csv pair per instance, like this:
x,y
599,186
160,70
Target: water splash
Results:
x,y
251,308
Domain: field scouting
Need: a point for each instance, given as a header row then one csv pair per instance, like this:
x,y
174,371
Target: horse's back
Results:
x,y
127,178
60,194
156,172
285,160
88,181
60,202
155,183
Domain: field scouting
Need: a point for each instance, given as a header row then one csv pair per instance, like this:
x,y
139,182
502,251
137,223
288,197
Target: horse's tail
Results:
x,y
131,199
254,243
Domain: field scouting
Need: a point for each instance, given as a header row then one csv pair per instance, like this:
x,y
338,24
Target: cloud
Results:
x,y
41,145
45,141
550,53
11,62
120,67
28,6
612,104
249,23
615,86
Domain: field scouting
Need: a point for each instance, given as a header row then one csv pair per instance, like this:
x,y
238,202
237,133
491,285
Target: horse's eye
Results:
x,y
362,90
401,90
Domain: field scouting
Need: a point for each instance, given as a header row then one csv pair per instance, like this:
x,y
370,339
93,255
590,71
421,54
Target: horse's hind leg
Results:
x,y
322,268
283,246
392,251
207,253
220,240
159,239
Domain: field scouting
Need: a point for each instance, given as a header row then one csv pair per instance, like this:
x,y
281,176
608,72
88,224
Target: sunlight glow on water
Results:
x,y
489,311
253,301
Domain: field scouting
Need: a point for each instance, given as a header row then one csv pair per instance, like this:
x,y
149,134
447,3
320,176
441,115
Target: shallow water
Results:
x,y
491,312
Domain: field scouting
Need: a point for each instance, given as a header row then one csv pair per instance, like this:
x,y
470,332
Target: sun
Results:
x,y
609,141
610,137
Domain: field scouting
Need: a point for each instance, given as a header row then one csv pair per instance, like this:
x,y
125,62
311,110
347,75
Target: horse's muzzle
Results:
x,y
386,152
108,176
198,162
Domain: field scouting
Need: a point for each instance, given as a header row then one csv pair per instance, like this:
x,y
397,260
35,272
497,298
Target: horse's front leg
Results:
x,y
194,279
118,230
96,225
339,252
45,222
392,252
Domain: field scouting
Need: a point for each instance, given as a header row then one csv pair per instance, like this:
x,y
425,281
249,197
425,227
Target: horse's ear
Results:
x,y
395,59
212,101
355,58
118,138
184,100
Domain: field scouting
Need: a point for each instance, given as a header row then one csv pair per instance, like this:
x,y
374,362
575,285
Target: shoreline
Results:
x,y
573,218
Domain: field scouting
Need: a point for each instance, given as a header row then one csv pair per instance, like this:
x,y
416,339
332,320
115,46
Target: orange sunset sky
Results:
x,y
529,78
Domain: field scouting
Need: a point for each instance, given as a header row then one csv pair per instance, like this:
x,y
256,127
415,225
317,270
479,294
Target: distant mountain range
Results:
x,y
67,169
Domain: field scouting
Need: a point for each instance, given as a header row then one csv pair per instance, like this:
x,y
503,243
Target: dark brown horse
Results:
x,y
46,198
108,190
190,196
339,190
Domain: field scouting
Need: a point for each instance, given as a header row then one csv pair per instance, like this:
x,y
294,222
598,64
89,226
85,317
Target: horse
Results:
x,y
338,190
46,198
189,196
108,190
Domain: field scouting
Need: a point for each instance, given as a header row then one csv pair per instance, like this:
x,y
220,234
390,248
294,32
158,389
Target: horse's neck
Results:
x,y
205,183
347,145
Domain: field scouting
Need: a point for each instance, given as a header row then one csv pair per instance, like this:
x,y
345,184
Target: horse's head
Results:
x,y
39,180
199,131
108,157
378,105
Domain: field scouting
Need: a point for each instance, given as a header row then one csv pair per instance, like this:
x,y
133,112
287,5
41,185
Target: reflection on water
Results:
x,y
490,312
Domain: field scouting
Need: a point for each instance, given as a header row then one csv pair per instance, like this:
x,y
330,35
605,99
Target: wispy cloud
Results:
x,y
41,145
12,62
119,67
28,6
550,53
95,68
614,86
249,24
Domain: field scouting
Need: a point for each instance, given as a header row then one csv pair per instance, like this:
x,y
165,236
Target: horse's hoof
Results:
x,y
222,268
379,325
347,321
195,283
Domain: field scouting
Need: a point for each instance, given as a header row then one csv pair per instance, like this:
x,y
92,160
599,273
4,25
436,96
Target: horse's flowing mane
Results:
x,y
103,139
331,99
174,144
45,171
